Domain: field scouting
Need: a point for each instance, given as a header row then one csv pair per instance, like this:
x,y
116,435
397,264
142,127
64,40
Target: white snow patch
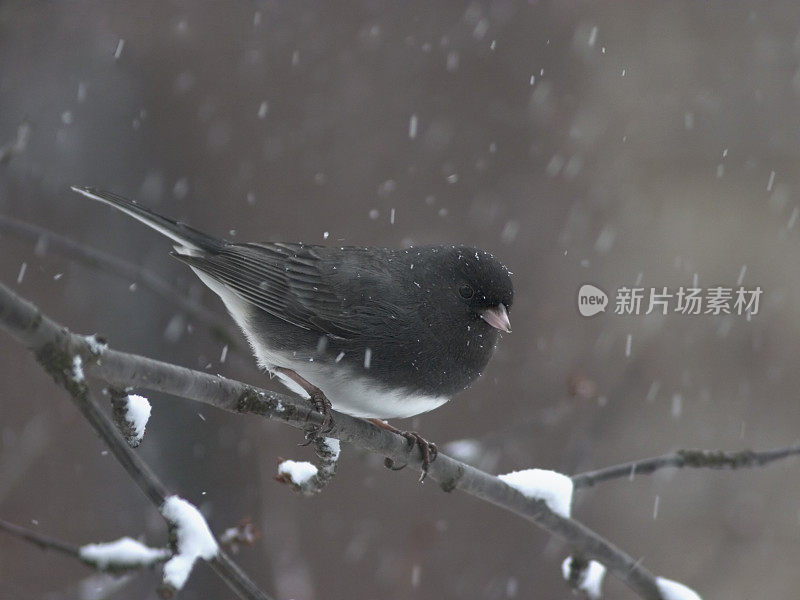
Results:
x,y
77,369
333,447
124,552
300,472
96,346
194,540
672,590
592,581
554,488
177,570
137,413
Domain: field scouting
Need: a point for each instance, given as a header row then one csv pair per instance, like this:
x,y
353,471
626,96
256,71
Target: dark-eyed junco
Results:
x,y
374,332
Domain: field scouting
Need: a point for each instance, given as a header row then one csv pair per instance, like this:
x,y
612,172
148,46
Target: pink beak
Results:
x,y
497,317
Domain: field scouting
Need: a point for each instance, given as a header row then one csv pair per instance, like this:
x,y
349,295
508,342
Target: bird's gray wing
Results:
x,y
285,280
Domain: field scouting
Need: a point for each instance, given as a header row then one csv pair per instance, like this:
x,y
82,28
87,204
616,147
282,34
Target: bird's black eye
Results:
x,y
466,292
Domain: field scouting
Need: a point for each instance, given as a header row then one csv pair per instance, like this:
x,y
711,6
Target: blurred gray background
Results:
x,y
579,141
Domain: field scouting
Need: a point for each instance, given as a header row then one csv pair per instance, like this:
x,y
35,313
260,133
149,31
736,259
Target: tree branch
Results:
x,y
63,355
116,557
696,459
44,542
29,326
45,239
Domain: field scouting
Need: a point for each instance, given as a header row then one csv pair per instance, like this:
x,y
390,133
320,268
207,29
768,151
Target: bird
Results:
x,y
372,332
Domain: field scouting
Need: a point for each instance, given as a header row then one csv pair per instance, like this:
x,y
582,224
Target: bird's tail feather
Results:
x,y
187,237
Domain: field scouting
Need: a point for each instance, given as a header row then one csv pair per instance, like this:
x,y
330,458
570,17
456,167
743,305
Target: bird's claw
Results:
x,y
427,449
323,406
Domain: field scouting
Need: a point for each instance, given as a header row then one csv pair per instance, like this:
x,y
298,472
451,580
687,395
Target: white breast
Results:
x,y
356,396
360,398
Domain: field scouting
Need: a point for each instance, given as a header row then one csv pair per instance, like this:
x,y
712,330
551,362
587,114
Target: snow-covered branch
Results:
x,y
584,576
66,357
307,478
55,348
192,540
43,541
131,413
124,554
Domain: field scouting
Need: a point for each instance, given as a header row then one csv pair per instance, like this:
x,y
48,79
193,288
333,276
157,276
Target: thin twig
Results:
x,y
29,326
114,564
46,239
43,541
696,459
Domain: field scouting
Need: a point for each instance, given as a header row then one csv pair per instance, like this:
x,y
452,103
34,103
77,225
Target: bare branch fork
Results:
x,y
56,347
56,350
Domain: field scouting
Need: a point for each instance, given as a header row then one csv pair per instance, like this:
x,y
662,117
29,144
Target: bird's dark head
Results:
x,y
470,284
452,311
483,285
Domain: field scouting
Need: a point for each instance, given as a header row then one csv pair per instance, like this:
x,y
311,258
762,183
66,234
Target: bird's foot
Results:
x,y
427,449
323,406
